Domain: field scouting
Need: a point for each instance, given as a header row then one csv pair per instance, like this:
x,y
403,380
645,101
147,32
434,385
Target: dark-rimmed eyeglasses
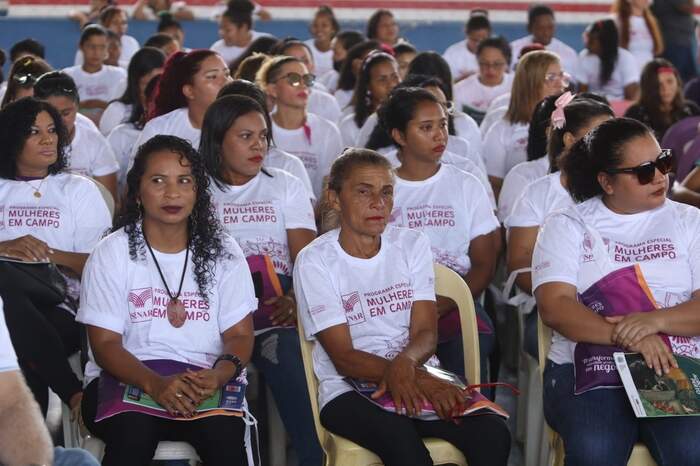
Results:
x,y
295,79
645,172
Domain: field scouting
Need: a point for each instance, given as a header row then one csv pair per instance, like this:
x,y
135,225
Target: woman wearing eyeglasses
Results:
x,y
617,173
167,284
604,67
316,141
538,75
378,76
23,75
478,90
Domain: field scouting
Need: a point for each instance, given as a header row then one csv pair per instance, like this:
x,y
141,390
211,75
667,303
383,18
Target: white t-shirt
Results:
x,y
539,199
8,358
641,44
323,61
505,146
324,105
516,181
567,55
122,139
230,52
89,153
317,144
277,158
471,92
468,129
451,207
449,158
349,130
626,72
343,97
460,59
175,123
374,297
492,116
106,85
330,80
259,213
115,114
71,214
665,242
129,47
128,297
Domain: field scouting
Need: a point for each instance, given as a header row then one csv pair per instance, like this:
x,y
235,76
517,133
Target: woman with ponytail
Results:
x,y
604,67
638,30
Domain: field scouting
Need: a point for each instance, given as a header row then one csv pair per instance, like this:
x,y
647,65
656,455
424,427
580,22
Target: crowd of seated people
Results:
x,y
195,208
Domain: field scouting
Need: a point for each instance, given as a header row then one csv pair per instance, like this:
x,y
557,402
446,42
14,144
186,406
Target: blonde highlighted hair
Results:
x,y
622,11
527,85
270,69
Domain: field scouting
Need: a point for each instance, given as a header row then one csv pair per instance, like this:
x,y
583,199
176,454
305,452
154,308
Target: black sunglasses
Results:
x,y
646,171
295,79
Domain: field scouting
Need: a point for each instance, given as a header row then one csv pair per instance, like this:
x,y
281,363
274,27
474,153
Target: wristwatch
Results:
x,y
231,358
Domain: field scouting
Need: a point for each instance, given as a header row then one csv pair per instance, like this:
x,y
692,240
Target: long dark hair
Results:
x,y
220,116
373,22
143,62
347,79
650,97
23,75
605,32
263,44
432,64
205,233
16,121
361,99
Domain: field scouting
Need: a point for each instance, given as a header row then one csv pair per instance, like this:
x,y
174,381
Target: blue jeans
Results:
x,y
73,457
451,353
277,355
599,427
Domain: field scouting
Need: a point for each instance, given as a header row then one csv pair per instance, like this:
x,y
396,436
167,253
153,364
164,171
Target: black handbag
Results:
x,y
42,283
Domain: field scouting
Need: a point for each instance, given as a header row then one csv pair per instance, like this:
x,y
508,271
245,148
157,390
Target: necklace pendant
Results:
x,y
37,194
176,313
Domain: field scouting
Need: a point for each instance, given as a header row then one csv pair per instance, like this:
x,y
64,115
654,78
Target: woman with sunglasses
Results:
x,y
537,76
188,85
167,284
23,75
378,76
269,213
604,67
617,174
316,141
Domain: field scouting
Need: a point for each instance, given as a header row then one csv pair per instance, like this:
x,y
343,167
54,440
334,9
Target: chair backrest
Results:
x,y
107,196
686,161
680,134
448,283
544,341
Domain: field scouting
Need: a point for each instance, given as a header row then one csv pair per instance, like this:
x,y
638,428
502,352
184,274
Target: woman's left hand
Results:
x,y
285,313
631,329
205,382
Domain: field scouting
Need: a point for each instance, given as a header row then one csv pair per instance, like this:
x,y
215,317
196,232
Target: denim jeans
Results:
x,y
73,457
451,353
277,355
599,427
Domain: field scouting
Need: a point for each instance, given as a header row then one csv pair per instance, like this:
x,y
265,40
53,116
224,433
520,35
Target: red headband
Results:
x,y
665,69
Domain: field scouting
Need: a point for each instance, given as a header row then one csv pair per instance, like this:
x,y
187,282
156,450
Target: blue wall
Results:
x,y
60,36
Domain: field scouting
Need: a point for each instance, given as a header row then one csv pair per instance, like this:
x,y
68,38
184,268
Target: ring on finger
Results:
x,y
178,394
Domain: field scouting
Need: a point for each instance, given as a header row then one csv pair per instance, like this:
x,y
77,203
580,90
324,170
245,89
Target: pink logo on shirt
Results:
x,y
350,302
33,216
140,297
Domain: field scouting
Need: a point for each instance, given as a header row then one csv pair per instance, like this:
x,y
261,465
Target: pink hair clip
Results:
x,y
558,117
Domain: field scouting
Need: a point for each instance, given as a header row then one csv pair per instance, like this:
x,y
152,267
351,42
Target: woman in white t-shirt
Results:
x,y
97,83
236,30
537,76
88,152
115,19
461,56
46,215
316,141
167,301
639,30
188,85
269,213
378,76
366,295
146,63
571,122
450,206
605,68
323,29
475,93
275,157
617,173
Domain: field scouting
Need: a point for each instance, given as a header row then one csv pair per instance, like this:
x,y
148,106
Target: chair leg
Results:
x,y
533,413
277,436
